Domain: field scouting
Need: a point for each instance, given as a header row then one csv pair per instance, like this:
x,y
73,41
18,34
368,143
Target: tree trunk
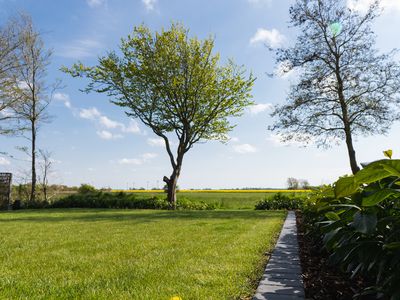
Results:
x,y
33,184
172,182
351,152
171,194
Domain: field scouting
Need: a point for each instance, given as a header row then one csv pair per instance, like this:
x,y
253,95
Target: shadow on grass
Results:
x,y
94,215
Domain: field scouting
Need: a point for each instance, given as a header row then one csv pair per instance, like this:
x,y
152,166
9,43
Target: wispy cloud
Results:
x,y
79,49
363,5
156,142
259,2
260,107
107,135
149,4
138,160
244,148
4,161
272,38
63,98
107,124
96,3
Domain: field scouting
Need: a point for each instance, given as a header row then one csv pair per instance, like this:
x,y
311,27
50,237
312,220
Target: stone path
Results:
x,y
282,276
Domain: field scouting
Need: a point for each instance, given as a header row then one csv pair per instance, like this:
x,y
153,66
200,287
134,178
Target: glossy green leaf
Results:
x,y
371,173
332,216
345,186
377,197
364,223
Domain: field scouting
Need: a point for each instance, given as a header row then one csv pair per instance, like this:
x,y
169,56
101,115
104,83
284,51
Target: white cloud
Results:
x,y
80,49
234,139
63,98
90,113
284,70
278,140
156,142
244,148
149,4
363,5
130,161
133,127
4,161
105,122
108,123
145,157
96,3
259,108
272,38
107,135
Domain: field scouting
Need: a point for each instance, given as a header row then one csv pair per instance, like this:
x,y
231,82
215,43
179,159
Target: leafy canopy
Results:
x,y
172,83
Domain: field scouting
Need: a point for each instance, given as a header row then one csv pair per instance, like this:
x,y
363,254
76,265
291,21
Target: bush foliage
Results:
x,y
358,221
123,200
280,201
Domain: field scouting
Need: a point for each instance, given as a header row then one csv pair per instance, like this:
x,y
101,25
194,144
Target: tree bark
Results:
x,y
33,184
173,180
171,193
352,153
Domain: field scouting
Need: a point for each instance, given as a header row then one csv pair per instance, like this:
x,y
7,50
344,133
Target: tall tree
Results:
x,y
175,86
10,42
31,89
346,87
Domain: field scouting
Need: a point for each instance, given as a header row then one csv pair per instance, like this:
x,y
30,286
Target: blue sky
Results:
x,y
92,141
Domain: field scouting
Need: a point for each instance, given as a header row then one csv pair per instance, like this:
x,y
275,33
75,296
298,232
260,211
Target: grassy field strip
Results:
x,y
125,254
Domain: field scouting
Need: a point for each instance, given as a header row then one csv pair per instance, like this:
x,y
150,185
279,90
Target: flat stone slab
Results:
x,y
282,277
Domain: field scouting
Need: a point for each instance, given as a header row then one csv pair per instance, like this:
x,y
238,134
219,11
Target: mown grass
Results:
x,y
125,254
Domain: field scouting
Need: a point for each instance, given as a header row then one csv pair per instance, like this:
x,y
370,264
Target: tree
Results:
x,y
31,90
174,85
346,88
46,166
292,183
10,42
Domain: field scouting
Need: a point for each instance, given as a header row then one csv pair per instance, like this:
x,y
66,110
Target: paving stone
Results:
x,y
274,296
282,277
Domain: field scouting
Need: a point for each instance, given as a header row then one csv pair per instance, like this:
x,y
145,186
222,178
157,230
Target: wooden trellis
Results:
x,y
5,190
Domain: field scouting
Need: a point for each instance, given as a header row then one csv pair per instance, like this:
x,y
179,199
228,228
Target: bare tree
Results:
x,y
292,183
30,86
346,87
46,165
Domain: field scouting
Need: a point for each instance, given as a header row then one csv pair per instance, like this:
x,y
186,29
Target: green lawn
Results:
x,y
133,254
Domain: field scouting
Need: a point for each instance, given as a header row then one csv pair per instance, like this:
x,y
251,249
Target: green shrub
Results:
x,y
86,188
280,201
358,222
184,203
124,200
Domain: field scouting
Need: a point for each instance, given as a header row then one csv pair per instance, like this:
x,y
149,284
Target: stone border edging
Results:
x,y
282,277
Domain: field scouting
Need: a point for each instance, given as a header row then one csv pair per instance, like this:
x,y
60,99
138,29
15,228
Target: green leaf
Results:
x,y
332,216
377,197
364,223
345,186
371,173
392,246
388,153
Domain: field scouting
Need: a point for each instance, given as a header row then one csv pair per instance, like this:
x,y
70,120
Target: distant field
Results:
x,y
223,199
134,254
